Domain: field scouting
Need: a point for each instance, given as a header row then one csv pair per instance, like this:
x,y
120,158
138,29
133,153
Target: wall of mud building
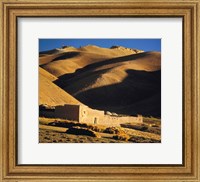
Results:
x,y
117,120
90,116
47,113
69,112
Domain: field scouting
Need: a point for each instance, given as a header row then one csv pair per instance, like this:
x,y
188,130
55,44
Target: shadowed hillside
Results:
x,y
118,79
138,93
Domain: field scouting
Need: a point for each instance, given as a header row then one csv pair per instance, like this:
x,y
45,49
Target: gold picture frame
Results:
x,y
188,10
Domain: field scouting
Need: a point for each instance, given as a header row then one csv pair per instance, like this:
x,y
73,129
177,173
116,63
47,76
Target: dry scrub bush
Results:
x,y
138,139
141,127
76,130
153,125
67,124
97,128
136,126
114,130
123,137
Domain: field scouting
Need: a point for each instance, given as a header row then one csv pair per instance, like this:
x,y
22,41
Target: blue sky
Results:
x,y
143,44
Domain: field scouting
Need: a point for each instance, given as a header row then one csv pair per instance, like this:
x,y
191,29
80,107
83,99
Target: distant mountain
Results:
x,y
69,59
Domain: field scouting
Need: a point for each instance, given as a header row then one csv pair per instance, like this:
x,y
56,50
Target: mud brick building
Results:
x,y
84,114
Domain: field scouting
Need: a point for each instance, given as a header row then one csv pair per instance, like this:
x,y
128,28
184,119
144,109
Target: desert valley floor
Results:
x,y
58,131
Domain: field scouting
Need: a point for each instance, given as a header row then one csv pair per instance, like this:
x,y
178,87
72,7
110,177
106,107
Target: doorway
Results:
x,y
95,120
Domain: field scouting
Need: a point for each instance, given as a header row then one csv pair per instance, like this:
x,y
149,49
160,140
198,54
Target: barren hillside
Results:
x,y
51,94
69,59
117,79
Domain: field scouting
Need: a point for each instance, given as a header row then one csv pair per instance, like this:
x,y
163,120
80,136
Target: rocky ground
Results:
x,y
64,131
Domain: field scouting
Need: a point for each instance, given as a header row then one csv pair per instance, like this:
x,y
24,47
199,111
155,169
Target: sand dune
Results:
x,y
108,72
47,75
118,83
51,94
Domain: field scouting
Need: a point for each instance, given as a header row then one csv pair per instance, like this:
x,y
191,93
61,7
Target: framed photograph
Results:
x,y
99,90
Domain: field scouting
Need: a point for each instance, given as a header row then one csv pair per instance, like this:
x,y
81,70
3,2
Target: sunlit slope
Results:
x,y
51,94
68,59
